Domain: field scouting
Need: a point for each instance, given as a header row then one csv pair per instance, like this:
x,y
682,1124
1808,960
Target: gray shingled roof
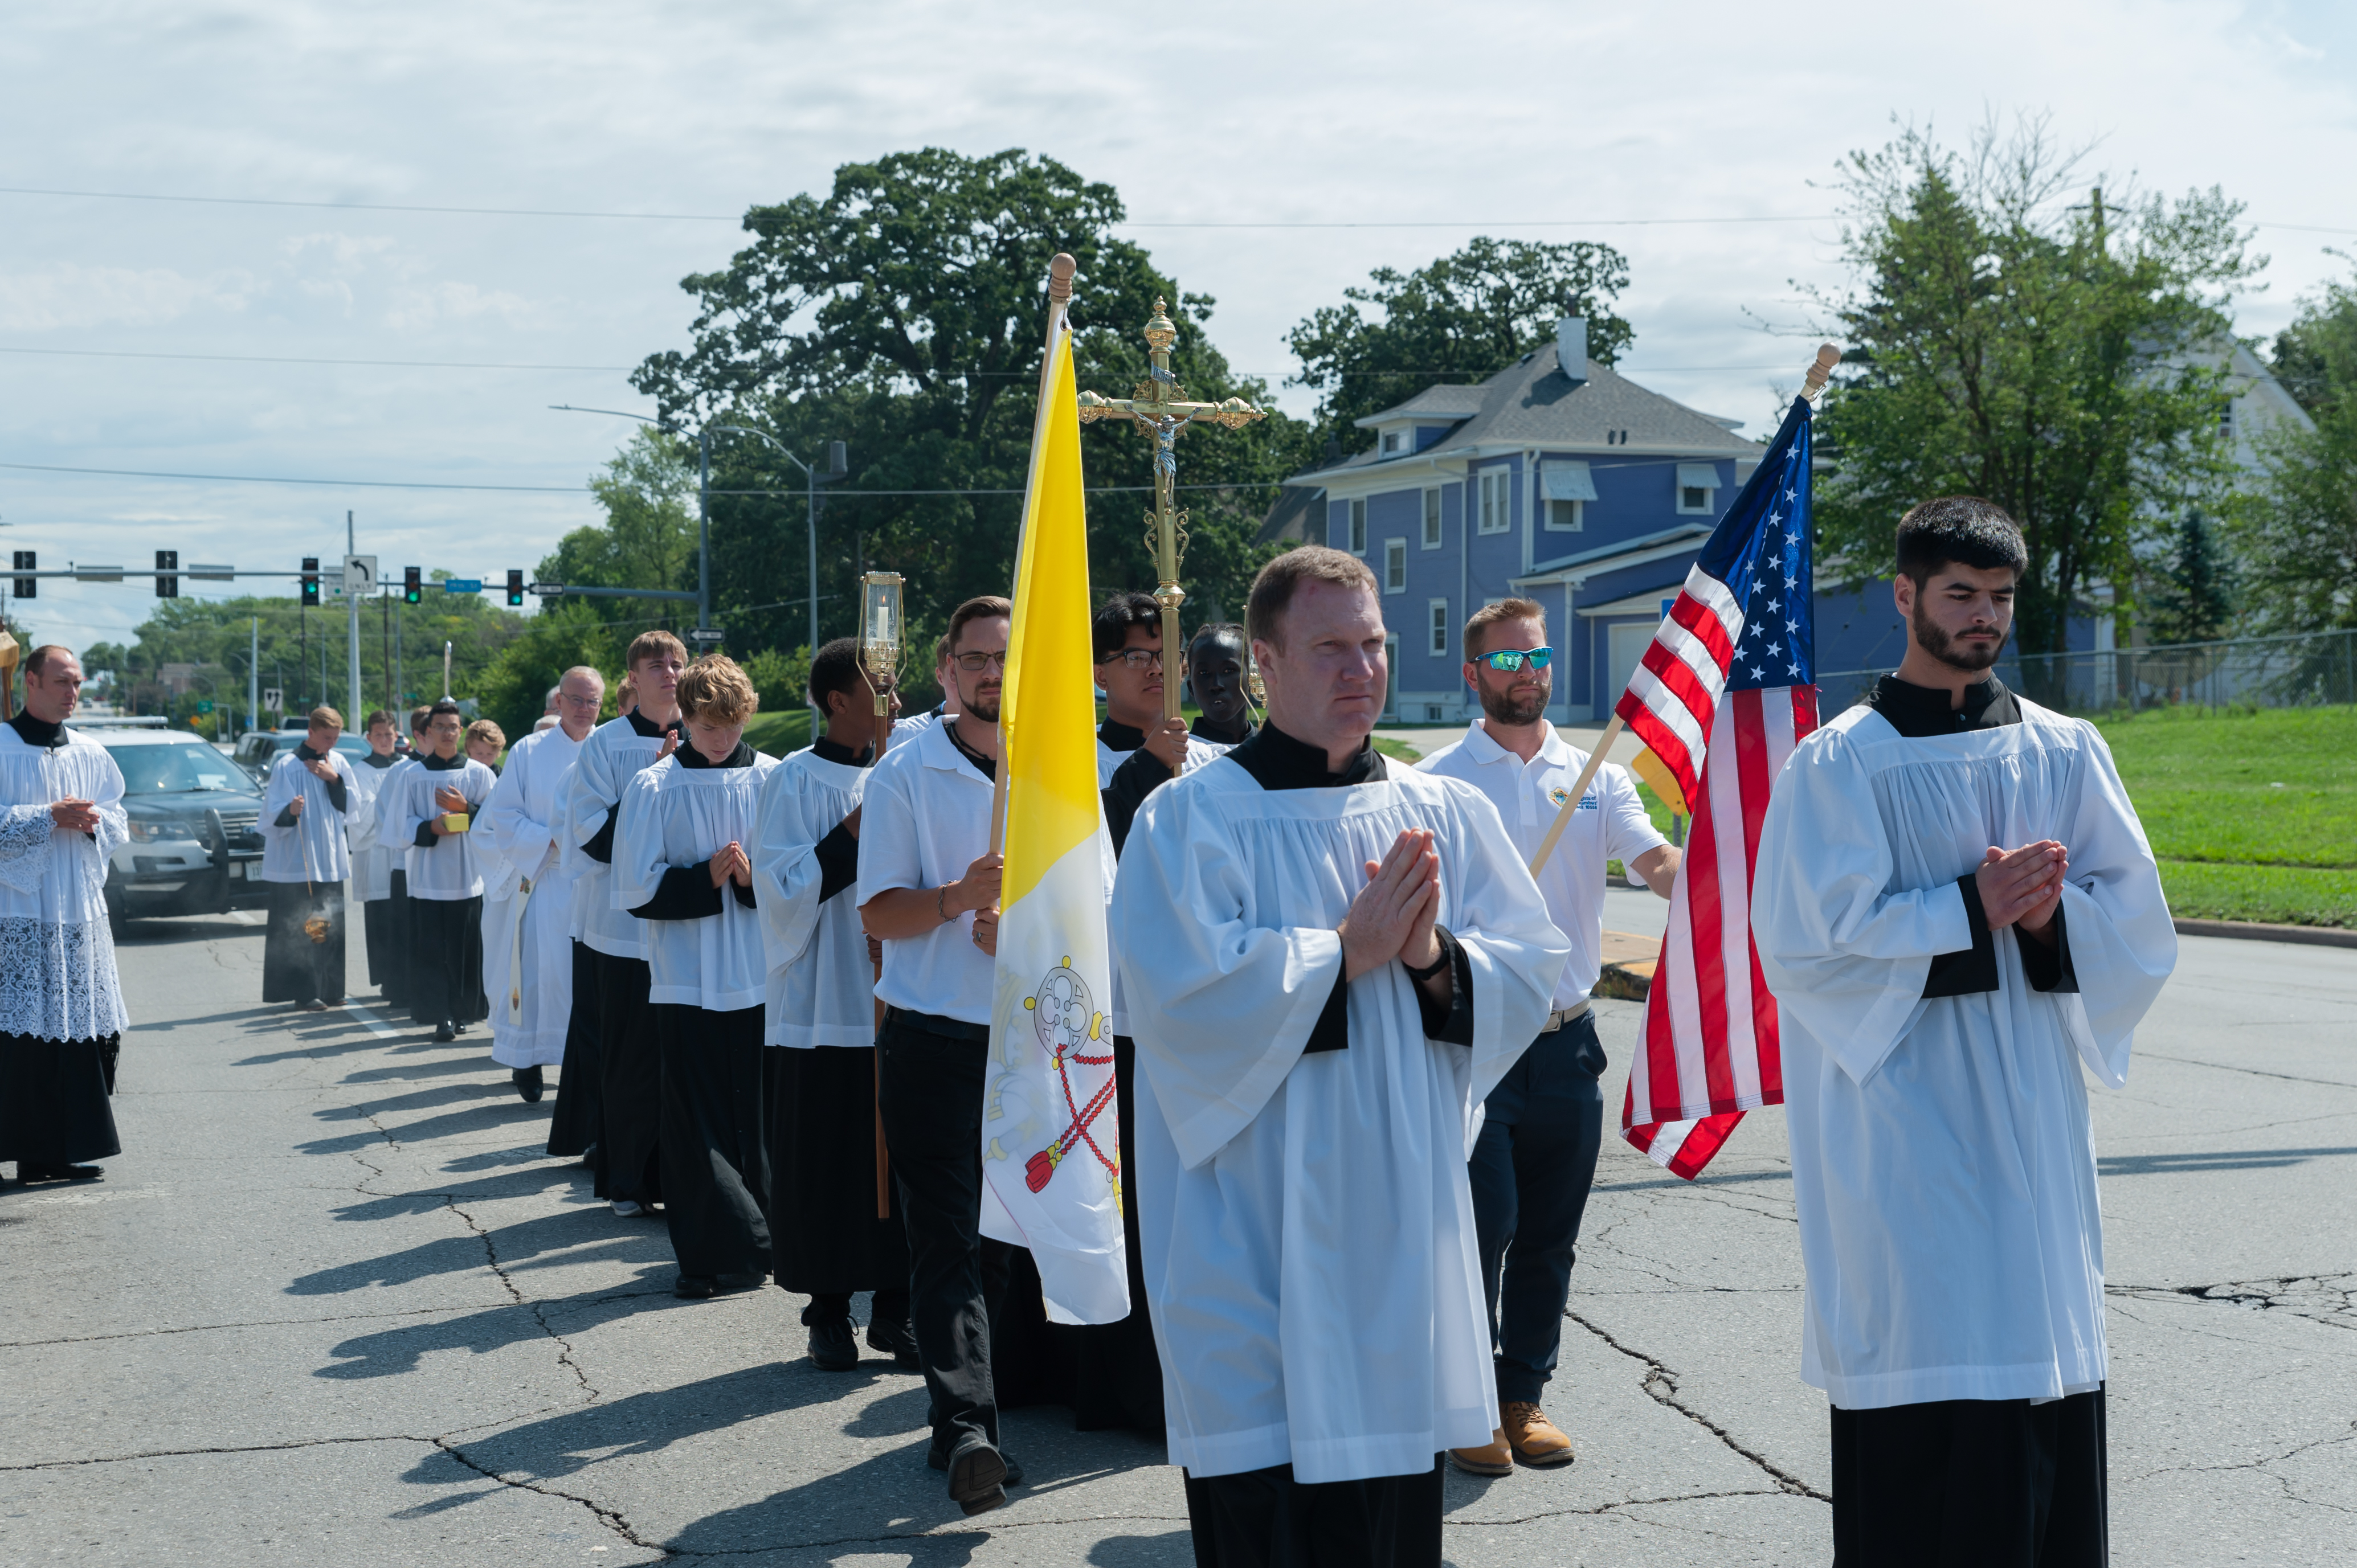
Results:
x,y
1449,401
1534,404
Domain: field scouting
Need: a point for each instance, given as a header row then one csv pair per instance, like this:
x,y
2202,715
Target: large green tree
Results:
x,y
2295,524
1460,318
2010,333
648,537
902,312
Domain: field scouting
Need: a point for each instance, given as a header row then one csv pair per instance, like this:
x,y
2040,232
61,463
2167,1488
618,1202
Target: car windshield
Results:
x,y
166,769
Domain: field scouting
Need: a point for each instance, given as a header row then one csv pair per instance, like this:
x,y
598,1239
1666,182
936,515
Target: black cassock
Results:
x,y
826,1236
385,924
303,951
573,1124
54,1099
445,960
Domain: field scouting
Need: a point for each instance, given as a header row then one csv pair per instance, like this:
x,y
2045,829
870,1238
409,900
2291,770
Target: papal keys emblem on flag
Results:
x,y
1064,1017
1722,696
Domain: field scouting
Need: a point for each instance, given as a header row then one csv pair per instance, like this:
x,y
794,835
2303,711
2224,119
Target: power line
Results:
x,y
297,360
555,490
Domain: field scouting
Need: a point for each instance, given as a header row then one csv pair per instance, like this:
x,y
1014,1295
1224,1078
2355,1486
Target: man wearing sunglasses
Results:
x,y
927,889
1543,1124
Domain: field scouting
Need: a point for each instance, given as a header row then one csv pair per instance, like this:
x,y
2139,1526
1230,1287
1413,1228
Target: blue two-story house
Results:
x,y
1557,480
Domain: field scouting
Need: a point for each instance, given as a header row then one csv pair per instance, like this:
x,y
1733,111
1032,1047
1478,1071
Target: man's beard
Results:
x,y
982,709
1509,709
1935,640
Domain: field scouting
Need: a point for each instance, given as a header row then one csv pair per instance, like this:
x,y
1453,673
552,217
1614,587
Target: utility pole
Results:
x,y
352,608
253,675
385,624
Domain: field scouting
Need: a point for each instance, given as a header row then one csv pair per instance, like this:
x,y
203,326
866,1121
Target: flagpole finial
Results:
x,y
1060,276
1821,369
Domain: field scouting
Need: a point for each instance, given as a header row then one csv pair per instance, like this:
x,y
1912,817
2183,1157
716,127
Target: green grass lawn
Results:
x,y
780,733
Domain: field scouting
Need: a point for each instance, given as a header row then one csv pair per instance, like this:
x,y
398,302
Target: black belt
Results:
x,y
934,1024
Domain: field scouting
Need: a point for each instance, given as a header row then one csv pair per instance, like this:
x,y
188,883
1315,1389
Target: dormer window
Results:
x,y
1391,441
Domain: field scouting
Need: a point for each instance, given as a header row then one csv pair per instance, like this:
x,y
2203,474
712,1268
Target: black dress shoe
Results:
x,y
977,1475
831,1346
27,1171
528,1084
896,1340
938,1457
694,1287
444,1033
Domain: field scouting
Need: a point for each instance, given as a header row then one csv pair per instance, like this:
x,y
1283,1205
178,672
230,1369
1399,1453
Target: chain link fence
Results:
x,y
2299,671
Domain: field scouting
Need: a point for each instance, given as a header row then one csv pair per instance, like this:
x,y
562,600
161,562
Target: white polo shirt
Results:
x,y
924,819
1609,824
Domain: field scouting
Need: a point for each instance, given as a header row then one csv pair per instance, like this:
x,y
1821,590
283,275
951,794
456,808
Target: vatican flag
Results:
x,y
1052,1155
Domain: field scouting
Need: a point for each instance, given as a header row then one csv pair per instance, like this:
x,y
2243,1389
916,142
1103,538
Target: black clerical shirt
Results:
x,y
1277,761
1925,712
303,753
838,851
37,732
600,846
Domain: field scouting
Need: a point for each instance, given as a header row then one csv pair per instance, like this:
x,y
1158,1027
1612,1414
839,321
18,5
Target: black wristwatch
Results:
x,y
1430,969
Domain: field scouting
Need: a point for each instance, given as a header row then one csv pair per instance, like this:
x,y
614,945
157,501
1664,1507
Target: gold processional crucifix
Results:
x,y
1160,408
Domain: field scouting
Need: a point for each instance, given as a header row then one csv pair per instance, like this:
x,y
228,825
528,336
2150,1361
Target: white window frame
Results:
x,y
1496,490
1432,518
1710,506
1395,565
1577,510
1436,610
1391,441
1356,528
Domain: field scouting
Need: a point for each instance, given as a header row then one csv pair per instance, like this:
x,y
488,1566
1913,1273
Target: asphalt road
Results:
x,y
334,1305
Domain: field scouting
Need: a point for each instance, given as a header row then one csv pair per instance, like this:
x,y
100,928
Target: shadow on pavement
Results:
x,y
2220,1160
579,1234
494,1117
391,1352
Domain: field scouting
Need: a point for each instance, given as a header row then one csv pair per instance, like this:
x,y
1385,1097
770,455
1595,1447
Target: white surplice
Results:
x,y
821,989
374,854
612,755
678,816
317,848
57,958
1943,1162
1307,1231
518,827
452,866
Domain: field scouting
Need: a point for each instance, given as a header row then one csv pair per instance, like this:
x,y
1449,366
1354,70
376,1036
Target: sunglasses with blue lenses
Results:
x,y
1511,658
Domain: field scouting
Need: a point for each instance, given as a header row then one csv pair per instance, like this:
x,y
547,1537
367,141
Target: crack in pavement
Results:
x,y
1661,1384
225,1328
612,1518
1614,1508
2324,1301
2291,1494
2250,1071
539,1314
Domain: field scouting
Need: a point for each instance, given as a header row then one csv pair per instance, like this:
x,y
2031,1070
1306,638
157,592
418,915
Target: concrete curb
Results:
x,y
2254,931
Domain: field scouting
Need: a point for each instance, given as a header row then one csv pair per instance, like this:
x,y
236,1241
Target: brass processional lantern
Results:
x,y
881,632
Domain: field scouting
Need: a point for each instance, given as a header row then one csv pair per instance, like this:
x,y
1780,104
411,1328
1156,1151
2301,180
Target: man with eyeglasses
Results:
x,y
928,888
432,814
627,1156
532,991
1543,1124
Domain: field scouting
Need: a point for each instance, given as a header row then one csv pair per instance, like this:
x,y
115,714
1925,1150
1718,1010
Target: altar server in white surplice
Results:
x,y
312,807
62,1017
1327,964
530,986
434,813
375,859
683,867
1958,914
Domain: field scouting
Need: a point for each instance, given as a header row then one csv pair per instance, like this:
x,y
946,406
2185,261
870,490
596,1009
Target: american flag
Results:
x,y
1722,694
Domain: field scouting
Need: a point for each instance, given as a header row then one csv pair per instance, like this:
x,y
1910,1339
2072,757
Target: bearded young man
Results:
x,y
1957,912
928,884
1328,964
1542,1125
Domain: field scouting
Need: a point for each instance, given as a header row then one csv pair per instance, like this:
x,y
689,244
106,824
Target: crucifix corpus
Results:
x,y
1158,406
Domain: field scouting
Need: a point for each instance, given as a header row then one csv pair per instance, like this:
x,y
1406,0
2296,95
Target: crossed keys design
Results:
x,y
1159,407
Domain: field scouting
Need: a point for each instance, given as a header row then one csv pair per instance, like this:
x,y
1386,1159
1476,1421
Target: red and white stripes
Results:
x,y
1711,1049
1675,690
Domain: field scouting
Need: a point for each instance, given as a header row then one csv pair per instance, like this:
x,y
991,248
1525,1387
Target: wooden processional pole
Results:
x,y
1812,386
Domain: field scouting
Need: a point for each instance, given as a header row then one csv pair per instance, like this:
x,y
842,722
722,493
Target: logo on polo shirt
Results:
x,y
1559,795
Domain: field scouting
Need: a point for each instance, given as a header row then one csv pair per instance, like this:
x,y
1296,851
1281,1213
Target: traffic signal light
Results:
x,y
311,580
515,586
412,590
167,582
28,587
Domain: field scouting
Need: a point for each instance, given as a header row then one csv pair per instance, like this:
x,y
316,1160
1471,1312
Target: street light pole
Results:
x,y
352,651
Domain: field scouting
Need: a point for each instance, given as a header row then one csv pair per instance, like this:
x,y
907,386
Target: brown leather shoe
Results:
x,y
1533,1438
1494,1459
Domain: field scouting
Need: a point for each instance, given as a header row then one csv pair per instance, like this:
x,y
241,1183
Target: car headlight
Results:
x,y
148,832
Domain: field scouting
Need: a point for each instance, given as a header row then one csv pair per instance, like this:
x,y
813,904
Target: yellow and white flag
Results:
x,y
1051,1153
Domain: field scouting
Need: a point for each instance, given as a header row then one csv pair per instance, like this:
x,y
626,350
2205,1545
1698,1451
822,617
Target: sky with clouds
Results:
x,y
1270,154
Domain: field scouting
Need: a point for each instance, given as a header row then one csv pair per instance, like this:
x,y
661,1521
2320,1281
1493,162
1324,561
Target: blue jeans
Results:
x,y
1531,1171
